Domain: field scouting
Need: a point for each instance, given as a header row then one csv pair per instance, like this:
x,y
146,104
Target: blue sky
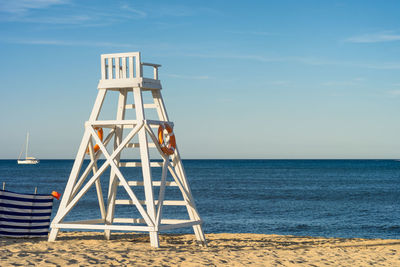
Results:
x,y
254,79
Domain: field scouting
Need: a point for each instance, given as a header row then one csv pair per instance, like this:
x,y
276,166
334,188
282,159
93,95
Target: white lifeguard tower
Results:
x,y
123,73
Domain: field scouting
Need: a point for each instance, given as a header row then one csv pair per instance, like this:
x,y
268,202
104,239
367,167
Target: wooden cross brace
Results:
x,y
109,162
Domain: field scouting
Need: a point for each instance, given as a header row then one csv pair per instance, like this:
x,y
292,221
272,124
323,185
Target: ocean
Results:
x,y
329,198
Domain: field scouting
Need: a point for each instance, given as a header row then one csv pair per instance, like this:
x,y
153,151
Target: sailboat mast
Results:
x,y
27,144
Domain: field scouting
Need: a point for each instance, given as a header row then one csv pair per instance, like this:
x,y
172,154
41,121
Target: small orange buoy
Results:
x,y
56,195
100,135
168,144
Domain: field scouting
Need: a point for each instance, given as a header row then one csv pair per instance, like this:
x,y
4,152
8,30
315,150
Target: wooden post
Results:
x,y
192,211
66,198
113,184
144,155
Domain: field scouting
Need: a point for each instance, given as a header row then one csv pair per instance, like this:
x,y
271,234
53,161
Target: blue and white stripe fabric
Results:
x,y
24,215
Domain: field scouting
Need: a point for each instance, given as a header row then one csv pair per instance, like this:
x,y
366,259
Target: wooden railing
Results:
x,y
124,66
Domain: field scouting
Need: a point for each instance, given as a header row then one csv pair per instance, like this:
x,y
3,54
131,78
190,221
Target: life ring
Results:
x,y
100,135
168,145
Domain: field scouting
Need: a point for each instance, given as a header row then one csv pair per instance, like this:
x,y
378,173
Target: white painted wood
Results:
x,y
159,102
98,185
129,83
104,227
131,71
89,167
146,170
158,123
186,195
151,64
140,220
156,202
129,220
94,221
110,161
103,67
123,72
133,145
155,69
104,123
101,123
113,184
161,194
53,233
132,106
155,73
84,189
139,164
97,105
155,183
130,54
138,66
155,140
192,211
76,167
180,225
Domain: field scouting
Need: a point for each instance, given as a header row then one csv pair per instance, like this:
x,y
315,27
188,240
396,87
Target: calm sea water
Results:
x,y
331,198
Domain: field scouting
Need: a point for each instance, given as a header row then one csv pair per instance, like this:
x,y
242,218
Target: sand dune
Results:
x,y
90,248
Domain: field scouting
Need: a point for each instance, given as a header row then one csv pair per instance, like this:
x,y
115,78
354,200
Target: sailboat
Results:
x,y
27,160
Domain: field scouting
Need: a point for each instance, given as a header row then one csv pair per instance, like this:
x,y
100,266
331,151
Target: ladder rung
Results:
x,y
139,164
130,126
132,106
140,220
143,202
155,183
128,220
132,145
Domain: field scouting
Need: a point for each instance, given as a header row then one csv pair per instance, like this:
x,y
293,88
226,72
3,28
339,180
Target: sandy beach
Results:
x,y
90,248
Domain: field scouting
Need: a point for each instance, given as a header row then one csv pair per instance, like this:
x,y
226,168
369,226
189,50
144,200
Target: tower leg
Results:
x,y
193,214
146,170
66,198
98,184
70,185
192,211
113,186
154,240
53,234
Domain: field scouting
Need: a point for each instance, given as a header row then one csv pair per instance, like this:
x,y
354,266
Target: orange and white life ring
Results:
x,y
166,139
100,135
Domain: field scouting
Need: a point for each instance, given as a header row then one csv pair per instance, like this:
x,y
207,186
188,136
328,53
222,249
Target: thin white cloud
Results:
x,y
182,11
23,6
23,11
303,60
68,43
375,38
136,12
70,19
